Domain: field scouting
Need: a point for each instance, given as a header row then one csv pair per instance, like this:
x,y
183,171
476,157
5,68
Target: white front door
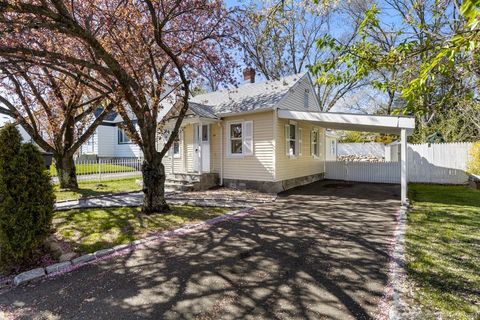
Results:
x,y
201,140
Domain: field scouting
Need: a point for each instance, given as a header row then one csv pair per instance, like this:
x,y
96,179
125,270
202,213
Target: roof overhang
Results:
x,y
354,122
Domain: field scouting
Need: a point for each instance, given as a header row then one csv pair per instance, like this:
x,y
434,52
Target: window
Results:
x,y
205,132
315,150
176,148
240,138
306,96
293,139
333,148
122,137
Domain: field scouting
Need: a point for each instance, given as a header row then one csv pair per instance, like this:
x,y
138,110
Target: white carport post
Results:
x,y
404,167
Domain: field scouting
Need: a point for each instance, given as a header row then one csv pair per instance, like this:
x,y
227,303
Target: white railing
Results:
x,y
105,169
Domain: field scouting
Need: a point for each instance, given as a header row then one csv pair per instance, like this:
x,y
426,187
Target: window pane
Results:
x,y
236,130
236,147
292,131
176,147
292,147
205,132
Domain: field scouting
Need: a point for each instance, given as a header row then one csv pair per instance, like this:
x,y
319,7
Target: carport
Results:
x,y
402,126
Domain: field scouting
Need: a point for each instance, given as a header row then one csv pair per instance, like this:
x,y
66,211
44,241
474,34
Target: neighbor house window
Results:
x,y
240,138
122,137
315,149
293,139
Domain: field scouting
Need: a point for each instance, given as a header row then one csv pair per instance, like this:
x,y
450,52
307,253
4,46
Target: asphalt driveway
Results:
x,y
318,252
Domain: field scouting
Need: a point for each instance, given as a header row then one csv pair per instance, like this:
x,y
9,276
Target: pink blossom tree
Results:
x,y
146,50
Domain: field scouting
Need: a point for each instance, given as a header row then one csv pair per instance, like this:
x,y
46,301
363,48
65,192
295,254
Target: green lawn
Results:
x,y
443,251
94,168
94,188
88,230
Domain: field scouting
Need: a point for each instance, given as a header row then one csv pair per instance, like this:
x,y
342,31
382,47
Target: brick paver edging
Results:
x,y
392,305
119,250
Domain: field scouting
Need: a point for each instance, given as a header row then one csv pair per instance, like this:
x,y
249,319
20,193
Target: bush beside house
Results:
x,y
26,199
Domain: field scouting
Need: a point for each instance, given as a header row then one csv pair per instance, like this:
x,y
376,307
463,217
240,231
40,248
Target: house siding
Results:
x,y
180,163
294,100
287,167
261,165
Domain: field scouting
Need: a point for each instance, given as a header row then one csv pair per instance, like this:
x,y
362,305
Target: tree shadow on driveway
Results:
x,y
306,256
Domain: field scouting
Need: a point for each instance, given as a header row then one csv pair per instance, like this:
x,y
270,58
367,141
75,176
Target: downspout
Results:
x,y
275,123
221,153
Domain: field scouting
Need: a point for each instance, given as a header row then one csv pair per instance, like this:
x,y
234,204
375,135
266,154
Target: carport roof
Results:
x,y
351,121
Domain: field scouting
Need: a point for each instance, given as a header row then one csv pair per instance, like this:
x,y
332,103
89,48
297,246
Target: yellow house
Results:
x,y
237,137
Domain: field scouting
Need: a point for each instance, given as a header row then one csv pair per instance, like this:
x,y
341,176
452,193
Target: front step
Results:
x,y
191,181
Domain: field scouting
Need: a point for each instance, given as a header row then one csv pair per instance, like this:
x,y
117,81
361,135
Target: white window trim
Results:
x,y
298,140
315,156
229,140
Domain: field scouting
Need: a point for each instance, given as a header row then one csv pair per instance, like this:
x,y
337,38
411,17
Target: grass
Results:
x,y
88,230
93,188
443,251
94,168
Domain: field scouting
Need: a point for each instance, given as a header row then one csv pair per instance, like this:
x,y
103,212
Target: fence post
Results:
x,y
99,170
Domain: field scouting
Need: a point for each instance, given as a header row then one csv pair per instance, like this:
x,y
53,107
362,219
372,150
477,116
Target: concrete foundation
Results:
x,y
272,186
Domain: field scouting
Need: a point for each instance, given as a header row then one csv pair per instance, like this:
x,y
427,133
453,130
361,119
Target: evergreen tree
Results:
x,y
26,199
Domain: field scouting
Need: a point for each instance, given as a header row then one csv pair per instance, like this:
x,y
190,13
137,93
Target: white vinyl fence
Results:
x,y
438,163
380,172
103,170
376,149
443,163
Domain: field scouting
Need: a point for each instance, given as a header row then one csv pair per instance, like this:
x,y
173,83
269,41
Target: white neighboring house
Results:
x,y
110,141
25,136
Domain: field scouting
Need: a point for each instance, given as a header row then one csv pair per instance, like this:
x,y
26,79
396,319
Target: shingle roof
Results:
x,y
248,97
201,110
110,116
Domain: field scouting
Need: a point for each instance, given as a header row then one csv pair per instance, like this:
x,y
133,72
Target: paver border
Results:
x,y
392,305
122,249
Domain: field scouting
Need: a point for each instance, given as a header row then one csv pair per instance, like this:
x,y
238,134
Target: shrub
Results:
x,y
474,162
26,199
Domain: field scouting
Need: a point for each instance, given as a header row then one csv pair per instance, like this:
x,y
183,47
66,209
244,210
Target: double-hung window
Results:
x,y
315,144
293,139
240,138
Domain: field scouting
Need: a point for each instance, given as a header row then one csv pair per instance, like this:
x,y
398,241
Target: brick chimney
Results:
x,y
249,75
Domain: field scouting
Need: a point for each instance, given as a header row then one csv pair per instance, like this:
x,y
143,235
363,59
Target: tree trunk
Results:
x,y
153,173
66,172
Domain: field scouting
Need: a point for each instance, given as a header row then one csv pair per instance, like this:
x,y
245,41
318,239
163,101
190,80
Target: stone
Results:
x,y
83,259
61,266
67,256
28,276
121,247
104,252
